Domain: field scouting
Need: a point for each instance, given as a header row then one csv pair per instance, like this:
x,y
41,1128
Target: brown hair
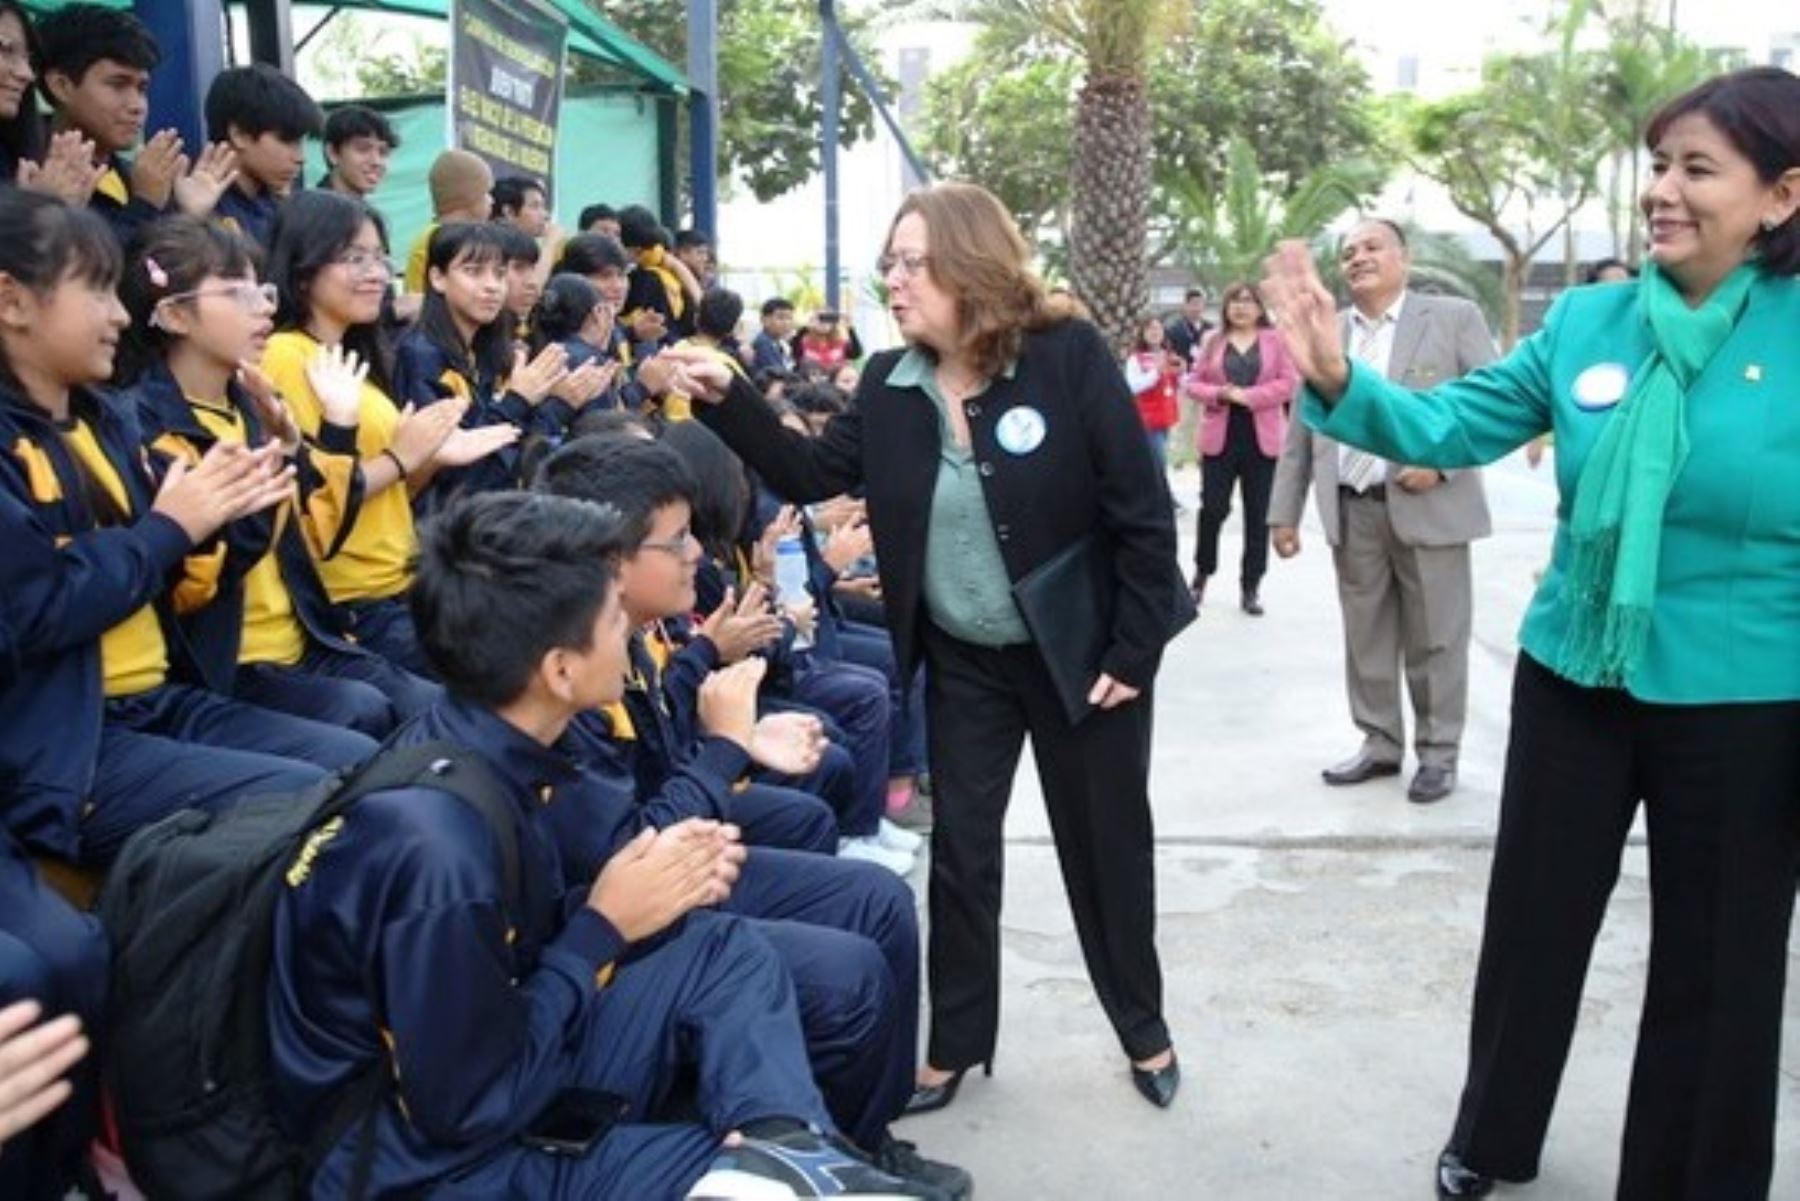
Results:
x,y
1242,288
979,257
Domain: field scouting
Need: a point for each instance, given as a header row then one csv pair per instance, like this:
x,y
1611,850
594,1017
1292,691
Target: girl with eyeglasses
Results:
x,y
267,633
331,273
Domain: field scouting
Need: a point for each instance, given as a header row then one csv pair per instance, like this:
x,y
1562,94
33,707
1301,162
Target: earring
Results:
x,y
1769,224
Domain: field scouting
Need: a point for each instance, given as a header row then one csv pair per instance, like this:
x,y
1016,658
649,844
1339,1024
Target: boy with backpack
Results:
x,y
523,1041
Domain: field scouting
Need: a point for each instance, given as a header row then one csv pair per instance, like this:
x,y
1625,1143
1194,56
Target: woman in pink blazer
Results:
x,y
1244,381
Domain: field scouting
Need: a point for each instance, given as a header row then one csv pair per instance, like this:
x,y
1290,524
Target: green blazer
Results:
x,y
1726,623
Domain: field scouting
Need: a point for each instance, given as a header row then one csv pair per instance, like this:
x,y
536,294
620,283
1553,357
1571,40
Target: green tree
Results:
x,y
1518,155
1003,117
770,108
1108,44
1267,69
1647,64
1224,232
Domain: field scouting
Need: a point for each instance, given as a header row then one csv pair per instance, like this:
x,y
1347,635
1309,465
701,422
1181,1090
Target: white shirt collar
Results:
x,y
1389,316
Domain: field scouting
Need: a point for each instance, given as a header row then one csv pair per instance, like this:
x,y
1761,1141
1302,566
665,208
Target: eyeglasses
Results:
x,y
248,295
911,263
365,262
678,546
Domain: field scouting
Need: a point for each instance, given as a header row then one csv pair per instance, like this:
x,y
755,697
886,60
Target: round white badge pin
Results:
x,y
1020,430
1602,386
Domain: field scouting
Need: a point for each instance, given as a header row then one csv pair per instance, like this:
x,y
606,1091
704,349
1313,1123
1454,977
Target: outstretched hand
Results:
x,y
1306,315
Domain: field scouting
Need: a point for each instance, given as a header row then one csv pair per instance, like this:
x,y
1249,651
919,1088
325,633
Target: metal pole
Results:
x,y
703,113
830,99
272,33
191,34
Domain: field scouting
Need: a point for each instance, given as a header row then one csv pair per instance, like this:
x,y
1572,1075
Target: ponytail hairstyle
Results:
x,y
44,244
170,257
489,357
312,230
568,301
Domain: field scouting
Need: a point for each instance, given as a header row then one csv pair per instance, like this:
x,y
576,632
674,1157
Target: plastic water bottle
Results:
x,y
791,575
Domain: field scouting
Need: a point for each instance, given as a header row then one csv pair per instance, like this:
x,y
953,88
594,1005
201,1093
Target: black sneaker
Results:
x,y
897,1157
801,1162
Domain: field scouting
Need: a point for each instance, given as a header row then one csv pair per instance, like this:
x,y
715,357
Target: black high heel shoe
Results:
x,y
928,1098
1158,1085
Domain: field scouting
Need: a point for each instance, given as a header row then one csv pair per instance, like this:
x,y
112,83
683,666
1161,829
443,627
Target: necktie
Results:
x,y
1359,470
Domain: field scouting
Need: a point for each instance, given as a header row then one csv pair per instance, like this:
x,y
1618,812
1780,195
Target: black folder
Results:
x,y
1067,603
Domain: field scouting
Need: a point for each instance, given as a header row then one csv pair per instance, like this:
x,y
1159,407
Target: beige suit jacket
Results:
x,y
1437,338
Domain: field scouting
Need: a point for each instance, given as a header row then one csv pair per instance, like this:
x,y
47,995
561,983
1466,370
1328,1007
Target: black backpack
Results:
x,y
189,906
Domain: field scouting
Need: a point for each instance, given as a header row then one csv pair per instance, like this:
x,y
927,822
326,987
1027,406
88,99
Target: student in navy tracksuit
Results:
x,y
395,942
655,719
268,635
265,117
462,348
96,735
854,699
56,957
847,931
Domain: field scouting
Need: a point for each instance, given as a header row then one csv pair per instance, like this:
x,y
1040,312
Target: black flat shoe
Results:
x,y
928,1098
1252,605
1456,1179
1158,1085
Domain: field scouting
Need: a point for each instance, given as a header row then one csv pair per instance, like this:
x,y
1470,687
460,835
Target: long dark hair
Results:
x,y
22,135
722,489
171,256
488,357
45,243
1758,112
313,229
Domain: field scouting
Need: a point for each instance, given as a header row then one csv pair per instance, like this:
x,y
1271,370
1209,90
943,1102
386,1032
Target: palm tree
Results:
x,y
1110,204
1225,236
1110,182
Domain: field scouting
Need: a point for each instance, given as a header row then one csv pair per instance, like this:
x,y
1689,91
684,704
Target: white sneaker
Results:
x,y
870,850
898,838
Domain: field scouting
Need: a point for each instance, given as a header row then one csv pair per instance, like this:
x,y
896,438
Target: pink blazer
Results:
x,y
1274,390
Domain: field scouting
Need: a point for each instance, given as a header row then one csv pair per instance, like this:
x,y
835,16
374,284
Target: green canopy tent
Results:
x,y
615,143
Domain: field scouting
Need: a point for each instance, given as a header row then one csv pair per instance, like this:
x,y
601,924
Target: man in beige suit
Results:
x,y
1399,535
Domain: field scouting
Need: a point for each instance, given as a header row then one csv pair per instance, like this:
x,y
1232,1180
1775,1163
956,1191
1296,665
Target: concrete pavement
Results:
x,y
1319,944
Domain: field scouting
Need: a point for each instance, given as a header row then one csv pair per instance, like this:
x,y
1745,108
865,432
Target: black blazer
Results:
x,y
1093,471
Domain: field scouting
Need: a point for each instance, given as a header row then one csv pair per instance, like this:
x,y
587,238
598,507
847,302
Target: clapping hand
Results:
x,y
34,1058
271,410
736,628
789,743
230,481
537,378
197,191
68,172
336,376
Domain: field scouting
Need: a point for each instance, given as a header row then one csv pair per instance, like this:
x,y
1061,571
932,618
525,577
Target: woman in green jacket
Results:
x,y
1661,658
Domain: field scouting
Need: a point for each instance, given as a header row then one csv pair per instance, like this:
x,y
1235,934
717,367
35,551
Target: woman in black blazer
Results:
x,y
999,438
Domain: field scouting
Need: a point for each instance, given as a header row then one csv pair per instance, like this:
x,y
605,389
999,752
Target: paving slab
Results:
x,y
1318,943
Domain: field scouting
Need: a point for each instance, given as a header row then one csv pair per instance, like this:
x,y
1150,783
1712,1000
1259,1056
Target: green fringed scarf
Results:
x,y
1615,528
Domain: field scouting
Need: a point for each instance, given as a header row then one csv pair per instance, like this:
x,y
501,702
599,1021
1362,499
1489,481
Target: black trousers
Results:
x,y
1720,786
1242,464
981,704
